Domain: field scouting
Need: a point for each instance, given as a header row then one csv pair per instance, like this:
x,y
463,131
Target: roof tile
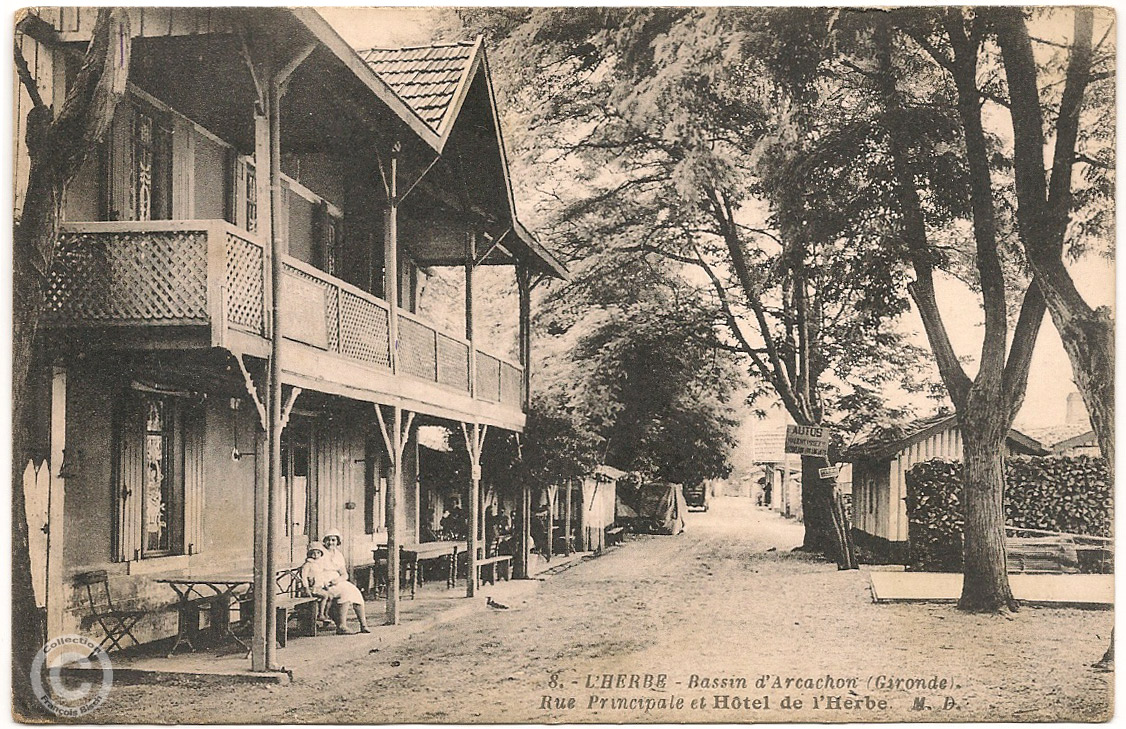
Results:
x,y
426,78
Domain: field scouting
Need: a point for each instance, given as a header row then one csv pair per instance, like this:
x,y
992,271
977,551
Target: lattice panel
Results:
x,y
453,363
511,385
244,285
488,377
363,330
332,302
129,277
417,354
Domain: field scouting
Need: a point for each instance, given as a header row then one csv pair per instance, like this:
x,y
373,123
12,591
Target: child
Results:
x,y
316,580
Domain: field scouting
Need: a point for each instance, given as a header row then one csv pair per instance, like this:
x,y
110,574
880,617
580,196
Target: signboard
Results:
x,y
807,440
830,472
768,445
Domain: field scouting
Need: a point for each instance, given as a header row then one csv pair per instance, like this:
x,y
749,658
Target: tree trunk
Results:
x,y
821,531
985,586
1088,339
58,146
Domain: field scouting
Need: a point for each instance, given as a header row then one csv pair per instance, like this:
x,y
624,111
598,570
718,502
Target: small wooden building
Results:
x,y
879,488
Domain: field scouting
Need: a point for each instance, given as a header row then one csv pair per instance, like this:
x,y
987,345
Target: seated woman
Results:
x,y
343,592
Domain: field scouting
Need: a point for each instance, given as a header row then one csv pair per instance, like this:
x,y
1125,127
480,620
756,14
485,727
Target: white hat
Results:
x,y
332,533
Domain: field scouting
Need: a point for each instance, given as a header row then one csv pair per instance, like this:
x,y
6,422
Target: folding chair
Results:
x,y
117,624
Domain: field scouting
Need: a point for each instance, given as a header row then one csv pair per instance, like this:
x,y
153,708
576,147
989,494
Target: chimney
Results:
x,y
1076,410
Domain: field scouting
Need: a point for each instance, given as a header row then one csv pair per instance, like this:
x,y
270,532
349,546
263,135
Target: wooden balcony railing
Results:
x,y
195,273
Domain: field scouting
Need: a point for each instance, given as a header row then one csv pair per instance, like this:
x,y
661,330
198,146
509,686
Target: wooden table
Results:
x,y
425,552
214,590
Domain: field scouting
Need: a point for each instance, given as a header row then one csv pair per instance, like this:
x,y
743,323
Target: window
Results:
x,y
162,488
140,163
251,192
159,480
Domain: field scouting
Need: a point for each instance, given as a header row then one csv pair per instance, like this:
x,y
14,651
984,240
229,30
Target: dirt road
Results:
x,y
720,624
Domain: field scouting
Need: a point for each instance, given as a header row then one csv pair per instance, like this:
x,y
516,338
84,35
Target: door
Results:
x,y
296,454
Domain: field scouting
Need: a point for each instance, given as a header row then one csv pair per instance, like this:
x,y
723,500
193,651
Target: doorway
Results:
x,y
300,500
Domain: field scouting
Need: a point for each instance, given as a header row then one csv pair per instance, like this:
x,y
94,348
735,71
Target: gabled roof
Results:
x,y
1055,437
431,79
886,442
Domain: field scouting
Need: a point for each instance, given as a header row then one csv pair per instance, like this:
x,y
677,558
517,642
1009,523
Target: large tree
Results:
x,y
923,86
58,144
669,145
1047,198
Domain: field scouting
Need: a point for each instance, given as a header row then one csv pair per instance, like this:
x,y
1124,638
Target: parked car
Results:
x,y
696,496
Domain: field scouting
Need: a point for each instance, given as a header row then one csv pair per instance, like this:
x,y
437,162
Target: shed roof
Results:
x,y
427,78
887,441
1055,436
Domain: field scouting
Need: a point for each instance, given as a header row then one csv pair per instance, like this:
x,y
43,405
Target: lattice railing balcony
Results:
x,y
209,273
170,273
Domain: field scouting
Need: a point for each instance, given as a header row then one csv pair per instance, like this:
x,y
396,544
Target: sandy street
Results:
x,y
719,624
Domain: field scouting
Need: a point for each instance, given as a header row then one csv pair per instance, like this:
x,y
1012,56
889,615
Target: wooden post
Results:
x,y
56,590
567,521
470,259
391,258
524,288
274,401
264,201
393,487
552,494
394,438
474,440
526,531
261,546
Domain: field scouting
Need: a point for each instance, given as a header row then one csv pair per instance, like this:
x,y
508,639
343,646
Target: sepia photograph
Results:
x,y
563,365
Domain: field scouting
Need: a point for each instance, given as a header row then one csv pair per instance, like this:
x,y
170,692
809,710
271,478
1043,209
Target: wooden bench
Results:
x,y
1042,555
614,535
500,565
294,600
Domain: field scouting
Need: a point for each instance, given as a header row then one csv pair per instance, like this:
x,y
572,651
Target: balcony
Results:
x,y
204,279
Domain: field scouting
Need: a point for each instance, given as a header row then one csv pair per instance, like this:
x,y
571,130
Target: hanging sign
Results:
x,y
830,472
807,440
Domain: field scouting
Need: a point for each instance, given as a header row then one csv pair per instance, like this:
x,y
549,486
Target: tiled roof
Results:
x,y
1054,435
426,77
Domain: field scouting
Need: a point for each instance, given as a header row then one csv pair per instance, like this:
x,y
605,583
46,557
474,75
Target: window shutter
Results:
x,y
119,203
130,481
194,422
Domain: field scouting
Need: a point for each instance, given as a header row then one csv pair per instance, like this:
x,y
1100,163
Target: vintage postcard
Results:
x,y
563,364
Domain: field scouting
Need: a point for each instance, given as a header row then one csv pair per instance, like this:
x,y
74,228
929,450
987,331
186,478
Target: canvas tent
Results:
x,y
657,508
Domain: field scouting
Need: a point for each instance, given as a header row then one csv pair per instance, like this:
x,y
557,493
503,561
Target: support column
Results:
x,y
394,486
391,257
470,258
567,520
394,438
274,402
56,589
474,441
524,289
261,546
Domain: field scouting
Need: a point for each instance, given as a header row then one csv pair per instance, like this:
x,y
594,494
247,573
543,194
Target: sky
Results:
x,y
1050,380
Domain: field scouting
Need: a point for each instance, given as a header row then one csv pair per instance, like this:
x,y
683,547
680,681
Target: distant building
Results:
x,y
878,486
1074,437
